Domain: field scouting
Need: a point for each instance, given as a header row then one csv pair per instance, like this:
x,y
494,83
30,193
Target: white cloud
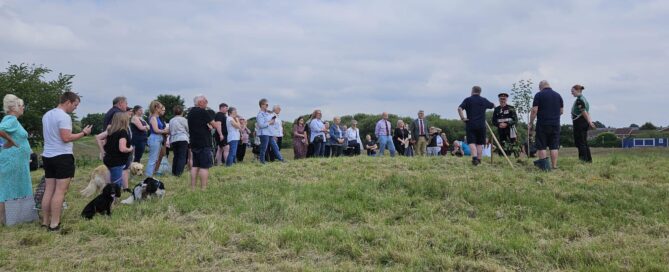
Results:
x,y
348,56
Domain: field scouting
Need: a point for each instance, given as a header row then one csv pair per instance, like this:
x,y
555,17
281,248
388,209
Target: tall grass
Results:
x,y
375,213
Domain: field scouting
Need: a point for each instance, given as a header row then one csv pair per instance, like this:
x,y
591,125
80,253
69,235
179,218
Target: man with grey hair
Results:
x,y
475,123
199,124
383,131
119,104
546,108
419,131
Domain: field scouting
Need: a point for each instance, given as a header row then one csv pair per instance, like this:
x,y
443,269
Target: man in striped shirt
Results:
x,y
383,132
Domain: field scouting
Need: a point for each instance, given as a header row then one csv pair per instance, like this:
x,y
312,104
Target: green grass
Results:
x,y
375,214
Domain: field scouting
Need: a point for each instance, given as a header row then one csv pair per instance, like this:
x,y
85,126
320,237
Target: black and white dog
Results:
x,y
145,190
103,202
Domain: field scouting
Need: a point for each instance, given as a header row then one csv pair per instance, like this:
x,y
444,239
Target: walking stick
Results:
x,y
498,145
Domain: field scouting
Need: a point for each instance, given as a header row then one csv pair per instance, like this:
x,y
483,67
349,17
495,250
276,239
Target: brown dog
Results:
x,y
100,177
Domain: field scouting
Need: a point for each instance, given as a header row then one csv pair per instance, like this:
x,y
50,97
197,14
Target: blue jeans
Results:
x,y
386,141
266,140
155,144
233,152
116,175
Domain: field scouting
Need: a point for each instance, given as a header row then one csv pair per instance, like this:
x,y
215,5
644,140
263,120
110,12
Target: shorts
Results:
x,y
59,167
547,136
202,157
475,135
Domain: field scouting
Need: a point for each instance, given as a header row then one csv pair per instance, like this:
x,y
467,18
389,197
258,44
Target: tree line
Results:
x,y
40,95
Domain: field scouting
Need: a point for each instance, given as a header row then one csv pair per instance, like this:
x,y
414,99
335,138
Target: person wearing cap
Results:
x,y
419,130
504,117
475,106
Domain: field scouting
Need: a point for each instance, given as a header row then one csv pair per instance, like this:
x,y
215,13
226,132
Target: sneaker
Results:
x,y
54,229
65,206
476,162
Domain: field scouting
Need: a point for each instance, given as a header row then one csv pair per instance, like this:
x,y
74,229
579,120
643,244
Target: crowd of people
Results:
x,y
203,139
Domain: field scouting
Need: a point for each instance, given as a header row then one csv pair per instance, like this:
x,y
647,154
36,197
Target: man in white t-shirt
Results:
x,y
58,157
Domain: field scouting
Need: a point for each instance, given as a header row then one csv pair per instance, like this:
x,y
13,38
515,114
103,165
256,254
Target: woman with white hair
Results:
x,y
15,179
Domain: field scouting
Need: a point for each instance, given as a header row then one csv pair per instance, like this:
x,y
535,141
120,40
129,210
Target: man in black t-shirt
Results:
x,y
475,106
199,126
547,108
222,147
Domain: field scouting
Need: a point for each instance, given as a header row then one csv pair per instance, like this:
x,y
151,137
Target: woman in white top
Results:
x,y
179,140
353,137
233,135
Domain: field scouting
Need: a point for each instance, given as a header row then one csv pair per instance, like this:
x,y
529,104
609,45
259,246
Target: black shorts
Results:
x,y
475,135
202,157
547,136
59,167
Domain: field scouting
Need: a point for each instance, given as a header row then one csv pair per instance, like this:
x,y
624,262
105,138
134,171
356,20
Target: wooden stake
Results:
x,y
498,145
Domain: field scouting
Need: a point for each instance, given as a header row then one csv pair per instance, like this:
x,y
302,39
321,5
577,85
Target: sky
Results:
x,y
347,57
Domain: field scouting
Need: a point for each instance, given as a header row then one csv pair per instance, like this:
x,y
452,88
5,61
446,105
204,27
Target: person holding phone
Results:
x,y
264,120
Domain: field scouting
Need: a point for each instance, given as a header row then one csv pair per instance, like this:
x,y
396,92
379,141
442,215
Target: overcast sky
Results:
x,y
347,57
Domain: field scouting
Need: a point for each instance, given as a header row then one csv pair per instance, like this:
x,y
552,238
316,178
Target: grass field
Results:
x,y
362,213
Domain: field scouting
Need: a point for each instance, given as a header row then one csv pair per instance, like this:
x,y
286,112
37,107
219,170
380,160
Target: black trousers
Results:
x,y
180,157
241,151
581,127
505,135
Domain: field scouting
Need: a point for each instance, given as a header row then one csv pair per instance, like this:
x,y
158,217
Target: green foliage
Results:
x,y
169,101
521,97
96,121
567,135
39,95
606,139
367,214
648,126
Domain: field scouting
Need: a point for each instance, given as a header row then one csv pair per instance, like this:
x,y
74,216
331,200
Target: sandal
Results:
x,y
56,228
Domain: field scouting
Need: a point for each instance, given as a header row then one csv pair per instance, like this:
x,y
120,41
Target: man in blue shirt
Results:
x,y
475,106
547,108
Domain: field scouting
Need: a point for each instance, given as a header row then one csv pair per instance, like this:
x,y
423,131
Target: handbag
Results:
x,y
318,139
20,210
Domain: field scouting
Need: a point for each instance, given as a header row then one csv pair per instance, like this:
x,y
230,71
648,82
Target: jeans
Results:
x,y
233,152
384,141
265,141
180,157
155,144
433,151
116,175
139,147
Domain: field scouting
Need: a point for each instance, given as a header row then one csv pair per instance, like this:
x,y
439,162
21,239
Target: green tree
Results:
x,y
39,95
521,96
606,139
169,101
96,120
648,126
567,136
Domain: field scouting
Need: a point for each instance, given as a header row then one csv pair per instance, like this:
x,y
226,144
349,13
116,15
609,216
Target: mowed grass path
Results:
x,y
364,213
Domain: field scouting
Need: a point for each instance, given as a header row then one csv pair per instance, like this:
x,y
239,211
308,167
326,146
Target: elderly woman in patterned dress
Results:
x,y
14,155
